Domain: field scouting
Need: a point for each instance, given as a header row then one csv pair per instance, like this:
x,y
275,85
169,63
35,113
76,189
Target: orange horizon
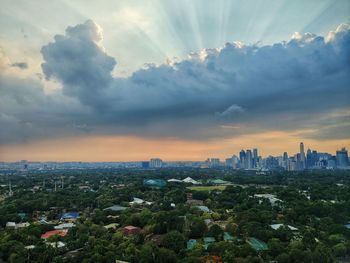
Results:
x,y
130,148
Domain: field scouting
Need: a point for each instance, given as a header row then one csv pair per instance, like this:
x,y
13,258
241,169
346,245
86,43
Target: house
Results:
x,y
272,198
11,225
29,247
139,201
15,226
70,216
278,226
228,237
191,243
257,244
21,225
347,226
111,226
130,230
64,226
208,241
58,244
51,233
115,208
203,208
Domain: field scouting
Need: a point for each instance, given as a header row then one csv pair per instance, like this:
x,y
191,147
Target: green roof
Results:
x,y
209,240
257,244
191,243
228,236
218,181
158,183
22,215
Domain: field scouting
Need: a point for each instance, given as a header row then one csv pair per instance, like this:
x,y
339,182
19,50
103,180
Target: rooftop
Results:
x,y
257,244
51,233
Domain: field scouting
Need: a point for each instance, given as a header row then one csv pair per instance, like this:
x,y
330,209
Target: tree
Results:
x,y
198,228
216,232
174,240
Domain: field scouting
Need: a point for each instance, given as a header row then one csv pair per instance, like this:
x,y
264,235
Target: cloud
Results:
x,y
20,65
285,86
78,60
231,111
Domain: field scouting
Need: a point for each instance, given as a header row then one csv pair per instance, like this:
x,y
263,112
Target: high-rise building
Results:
x,y
308,158
242,158
249,159
342,158
235,161
155,163
255,157
302,156
214,162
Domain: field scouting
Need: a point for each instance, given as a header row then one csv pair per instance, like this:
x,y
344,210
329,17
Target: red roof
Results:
x,y
48,234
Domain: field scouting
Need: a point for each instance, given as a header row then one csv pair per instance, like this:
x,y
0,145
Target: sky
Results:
x,y
179,80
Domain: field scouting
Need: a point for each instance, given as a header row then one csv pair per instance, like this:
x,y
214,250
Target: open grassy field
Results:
x,y
207,188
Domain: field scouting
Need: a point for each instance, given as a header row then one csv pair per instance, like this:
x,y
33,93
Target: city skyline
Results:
x,y
131,80
251,155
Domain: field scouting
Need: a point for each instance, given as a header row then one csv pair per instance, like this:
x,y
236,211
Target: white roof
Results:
x,y
58,244
175,180
64,226
277,226
136,201
10,224
29,247
272,198
25,224
139,201
190,180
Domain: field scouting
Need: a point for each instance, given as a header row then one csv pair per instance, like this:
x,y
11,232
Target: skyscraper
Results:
x,y
249,159
242,156
342,158
255,157
302,156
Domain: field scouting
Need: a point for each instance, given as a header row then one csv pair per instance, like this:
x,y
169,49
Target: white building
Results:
x,y
155,163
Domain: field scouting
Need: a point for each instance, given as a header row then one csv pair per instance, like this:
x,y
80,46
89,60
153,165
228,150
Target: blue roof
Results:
x,y
191,243
70,215
347,226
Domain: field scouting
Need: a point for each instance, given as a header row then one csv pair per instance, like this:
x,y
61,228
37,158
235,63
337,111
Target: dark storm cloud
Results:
x,y
78,61
286,86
